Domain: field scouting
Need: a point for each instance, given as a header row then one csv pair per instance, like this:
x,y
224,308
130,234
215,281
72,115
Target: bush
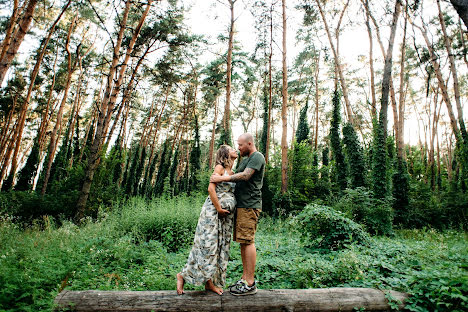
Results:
x,y
170,221
324,227
375,214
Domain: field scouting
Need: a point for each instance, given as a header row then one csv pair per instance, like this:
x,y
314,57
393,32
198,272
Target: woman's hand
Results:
x,y
223,212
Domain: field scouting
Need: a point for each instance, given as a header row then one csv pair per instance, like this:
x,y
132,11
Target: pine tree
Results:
x,y
354,156
302,133
162,170
335,141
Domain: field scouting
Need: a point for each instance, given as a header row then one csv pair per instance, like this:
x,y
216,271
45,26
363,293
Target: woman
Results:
x,y
209,256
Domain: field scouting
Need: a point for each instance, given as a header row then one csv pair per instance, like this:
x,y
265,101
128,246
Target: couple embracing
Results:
x,y
234,202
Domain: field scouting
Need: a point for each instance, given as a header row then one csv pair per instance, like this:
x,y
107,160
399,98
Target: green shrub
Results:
x,y
170,221
324,227
375,214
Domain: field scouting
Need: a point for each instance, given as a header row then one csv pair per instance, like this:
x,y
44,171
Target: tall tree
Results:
x,y
284,112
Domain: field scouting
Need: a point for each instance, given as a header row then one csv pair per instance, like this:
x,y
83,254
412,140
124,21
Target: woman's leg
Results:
x,y
180,284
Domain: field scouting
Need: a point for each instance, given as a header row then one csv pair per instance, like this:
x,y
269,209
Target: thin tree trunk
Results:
x,y
440,79
371,63
270,89
284,112
227,109
344,87
317,69
213,133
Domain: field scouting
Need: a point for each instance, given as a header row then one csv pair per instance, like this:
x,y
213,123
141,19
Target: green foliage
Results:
x,y
375,215
336,144
162,169
171,222
324,227
379,161
302,133
354,156
400,183
118,251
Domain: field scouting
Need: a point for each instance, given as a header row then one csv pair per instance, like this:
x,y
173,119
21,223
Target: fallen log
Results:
x,y
321,299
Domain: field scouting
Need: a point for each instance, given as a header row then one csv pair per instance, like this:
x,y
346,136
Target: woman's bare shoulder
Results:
x,y
219,169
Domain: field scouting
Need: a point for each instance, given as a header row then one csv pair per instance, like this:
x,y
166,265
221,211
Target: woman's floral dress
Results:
x,y
209,256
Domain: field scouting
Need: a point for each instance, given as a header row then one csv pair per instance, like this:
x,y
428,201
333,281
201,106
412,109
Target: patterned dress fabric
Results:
x,y
209,256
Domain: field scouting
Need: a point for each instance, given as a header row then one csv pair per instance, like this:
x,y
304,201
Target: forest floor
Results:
x,y
142,245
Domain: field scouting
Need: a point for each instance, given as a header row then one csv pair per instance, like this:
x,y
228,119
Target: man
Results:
x,y
249,178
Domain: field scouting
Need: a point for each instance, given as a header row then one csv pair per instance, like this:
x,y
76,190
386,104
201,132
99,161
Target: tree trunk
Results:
x,y
213,133
284,112
58,124
461,6
400,112
387,75
270,89
453,70
440,79
339,68
11,45
317,69
371,63
321,299
93,159
227,109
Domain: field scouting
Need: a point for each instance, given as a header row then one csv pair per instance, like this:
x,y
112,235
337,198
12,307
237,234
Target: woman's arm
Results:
x,y
219,170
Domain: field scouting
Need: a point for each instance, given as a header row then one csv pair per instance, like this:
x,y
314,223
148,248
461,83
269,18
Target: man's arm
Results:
x,y
241,176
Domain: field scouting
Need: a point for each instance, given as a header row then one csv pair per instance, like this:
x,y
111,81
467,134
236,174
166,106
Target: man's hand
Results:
x,y
218,178
223,212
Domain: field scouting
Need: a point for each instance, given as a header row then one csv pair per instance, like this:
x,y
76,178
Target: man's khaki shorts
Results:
x,y
245,221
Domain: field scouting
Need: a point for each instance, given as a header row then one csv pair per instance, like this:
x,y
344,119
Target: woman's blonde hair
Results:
x,y
222,156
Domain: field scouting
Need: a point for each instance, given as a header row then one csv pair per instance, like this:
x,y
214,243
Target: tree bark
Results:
x,y
371,62
227,109
12,45
270,89
284,112
321,299
387,75
317,69
213,133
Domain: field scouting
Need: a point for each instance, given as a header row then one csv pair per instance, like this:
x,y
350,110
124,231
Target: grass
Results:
x,y
141,245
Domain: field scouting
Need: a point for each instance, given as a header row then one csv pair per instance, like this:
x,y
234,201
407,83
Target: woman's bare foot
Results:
x,y
210,286
180,284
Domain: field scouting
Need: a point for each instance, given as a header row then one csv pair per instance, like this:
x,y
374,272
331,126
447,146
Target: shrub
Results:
x,y
324,227
170,221
375,214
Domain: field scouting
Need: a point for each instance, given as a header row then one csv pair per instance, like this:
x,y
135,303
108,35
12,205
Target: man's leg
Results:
x,y
249,258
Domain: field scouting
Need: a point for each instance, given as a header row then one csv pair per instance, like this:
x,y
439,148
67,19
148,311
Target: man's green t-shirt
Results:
x,y
249,193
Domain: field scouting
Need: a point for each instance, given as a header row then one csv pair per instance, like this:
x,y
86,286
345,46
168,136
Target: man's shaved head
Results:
x,y
247,137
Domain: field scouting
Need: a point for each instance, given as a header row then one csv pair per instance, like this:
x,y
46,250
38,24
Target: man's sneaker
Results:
x,y
235,284
243,289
